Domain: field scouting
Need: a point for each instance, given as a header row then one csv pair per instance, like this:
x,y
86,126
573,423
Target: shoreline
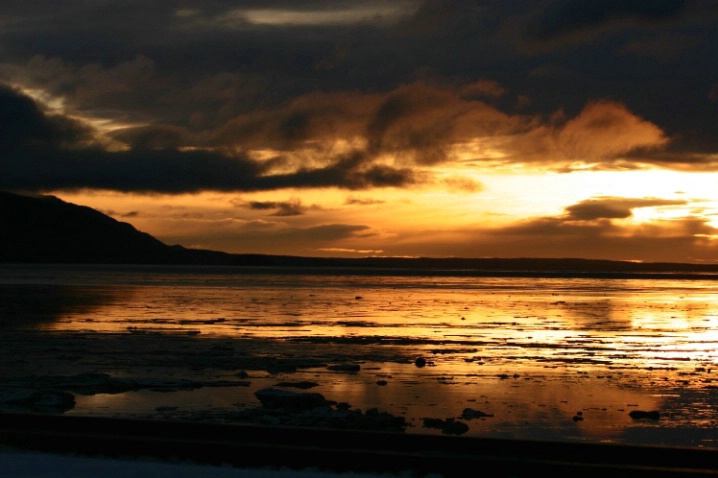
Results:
x,y
342,450
206,380
428,268
555,360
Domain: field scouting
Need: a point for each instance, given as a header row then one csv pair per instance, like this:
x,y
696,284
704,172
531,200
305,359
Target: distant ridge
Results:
x,y
45,229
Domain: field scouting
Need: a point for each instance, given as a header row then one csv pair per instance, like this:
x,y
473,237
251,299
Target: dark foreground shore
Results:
x,y
344,451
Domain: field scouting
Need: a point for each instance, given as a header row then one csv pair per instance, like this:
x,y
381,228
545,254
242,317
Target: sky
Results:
x,y
488,128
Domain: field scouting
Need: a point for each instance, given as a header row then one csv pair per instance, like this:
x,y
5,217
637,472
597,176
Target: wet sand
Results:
x,y
169,376
593,361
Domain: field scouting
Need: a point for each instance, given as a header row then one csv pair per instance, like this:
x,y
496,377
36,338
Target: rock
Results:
x,y
453,427
303,385
274,398
470,413
381,383
52,401
433,422
420,362
345,367
639,414
448,426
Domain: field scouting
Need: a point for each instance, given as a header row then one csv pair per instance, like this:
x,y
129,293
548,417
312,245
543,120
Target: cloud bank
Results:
x,y
369,98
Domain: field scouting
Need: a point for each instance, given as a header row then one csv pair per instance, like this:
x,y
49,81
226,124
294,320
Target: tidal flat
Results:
x,y
580,360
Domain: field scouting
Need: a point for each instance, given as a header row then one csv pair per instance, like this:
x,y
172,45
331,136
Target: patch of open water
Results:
x,y
544,358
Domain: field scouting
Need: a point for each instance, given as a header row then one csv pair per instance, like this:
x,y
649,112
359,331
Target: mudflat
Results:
x,y
549,359
324,384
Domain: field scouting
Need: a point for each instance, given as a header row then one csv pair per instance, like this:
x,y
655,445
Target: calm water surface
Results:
x,y
545,357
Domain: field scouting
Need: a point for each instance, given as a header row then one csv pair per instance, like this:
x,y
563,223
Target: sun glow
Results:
x,y
461,199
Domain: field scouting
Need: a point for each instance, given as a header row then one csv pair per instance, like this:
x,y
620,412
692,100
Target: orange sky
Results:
x,y
545,129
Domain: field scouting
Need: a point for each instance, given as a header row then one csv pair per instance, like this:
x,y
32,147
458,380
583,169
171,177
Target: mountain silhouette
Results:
x,y
45,229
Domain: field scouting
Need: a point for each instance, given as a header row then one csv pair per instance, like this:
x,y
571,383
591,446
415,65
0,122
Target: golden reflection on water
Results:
x,y
542,356
643,328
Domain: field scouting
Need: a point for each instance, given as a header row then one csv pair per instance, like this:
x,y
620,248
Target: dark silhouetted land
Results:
x,y
44,229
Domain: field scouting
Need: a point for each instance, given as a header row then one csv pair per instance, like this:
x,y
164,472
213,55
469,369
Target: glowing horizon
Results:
x,y
277,133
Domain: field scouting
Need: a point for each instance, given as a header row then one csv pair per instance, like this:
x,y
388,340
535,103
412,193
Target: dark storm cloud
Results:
x,y
350,172
593,218
40,151
173,171
225,76
23,125
176,59
567,17
164,171
613,208
292,207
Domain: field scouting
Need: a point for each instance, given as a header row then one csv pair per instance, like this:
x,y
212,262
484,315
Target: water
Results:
x,y
543,357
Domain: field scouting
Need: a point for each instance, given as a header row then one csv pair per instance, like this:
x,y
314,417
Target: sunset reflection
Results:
x,y
639,330
542,356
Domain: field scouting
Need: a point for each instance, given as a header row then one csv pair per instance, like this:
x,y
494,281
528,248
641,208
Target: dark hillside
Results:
x,y
46,229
